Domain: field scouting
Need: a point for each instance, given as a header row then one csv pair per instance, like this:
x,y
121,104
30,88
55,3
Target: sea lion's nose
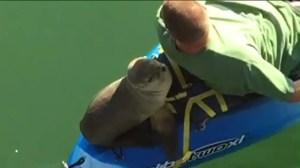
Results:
x,y
163,69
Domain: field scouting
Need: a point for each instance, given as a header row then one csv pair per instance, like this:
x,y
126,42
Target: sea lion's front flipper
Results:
x,y
164,123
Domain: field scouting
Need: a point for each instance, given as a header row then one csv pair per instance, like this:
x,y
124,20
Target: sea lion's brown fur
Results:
x,y
118,114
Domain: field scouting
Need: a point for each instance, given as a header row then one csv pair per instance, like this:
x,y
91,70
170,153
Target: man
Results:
x,y
236,47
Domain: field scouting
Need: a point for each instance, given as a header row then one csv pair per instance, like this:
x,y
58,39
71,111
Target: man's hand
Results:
x,y
296,97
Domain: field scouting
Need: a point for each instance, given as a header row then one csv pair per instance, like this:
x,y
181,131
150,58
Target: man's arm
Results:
x,y
263,78
243,75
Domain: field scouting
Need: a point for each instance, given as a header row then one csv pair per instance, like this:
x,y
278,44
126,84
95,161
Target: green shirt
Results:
x,y
254,47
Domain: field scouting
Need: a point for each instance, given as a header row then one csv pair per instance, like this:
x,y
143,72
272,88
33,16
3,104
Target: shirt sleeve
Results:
x,y
263,78
256,76
243,75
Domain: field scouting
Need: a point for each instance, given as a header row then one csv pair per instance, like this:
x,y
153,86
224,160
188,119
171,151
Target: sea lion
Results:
x,y
118,114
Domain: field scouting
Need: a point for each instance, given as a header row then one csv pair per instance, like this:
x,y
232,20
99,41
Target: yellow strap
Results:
x,y
186,125
222,102
178,73
197,100
186,132
186,137
185,158
177,96
186,128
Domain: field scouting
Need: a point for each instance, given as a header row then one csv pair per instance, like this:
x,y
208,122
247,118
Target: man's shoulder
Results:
x,y
231,45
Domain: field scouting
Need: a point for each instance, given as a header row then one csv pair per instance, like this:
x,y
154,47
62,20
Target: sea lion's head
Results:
x,y
149,75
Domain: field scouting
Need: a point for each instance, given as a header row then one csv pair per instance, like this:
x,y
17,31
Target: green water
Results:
x,y
56,55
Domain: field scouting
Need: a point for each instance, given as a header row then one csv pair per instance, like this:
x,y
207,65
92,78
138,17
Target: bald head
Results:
x,y
187,21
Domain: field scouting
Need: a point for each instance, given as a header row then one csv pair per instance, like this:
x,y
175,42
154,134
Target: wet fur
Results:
x,y
118,115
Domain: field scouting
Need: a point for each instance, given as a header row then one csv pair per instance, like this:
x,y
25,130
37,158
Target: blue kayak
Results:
x,y
234,124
